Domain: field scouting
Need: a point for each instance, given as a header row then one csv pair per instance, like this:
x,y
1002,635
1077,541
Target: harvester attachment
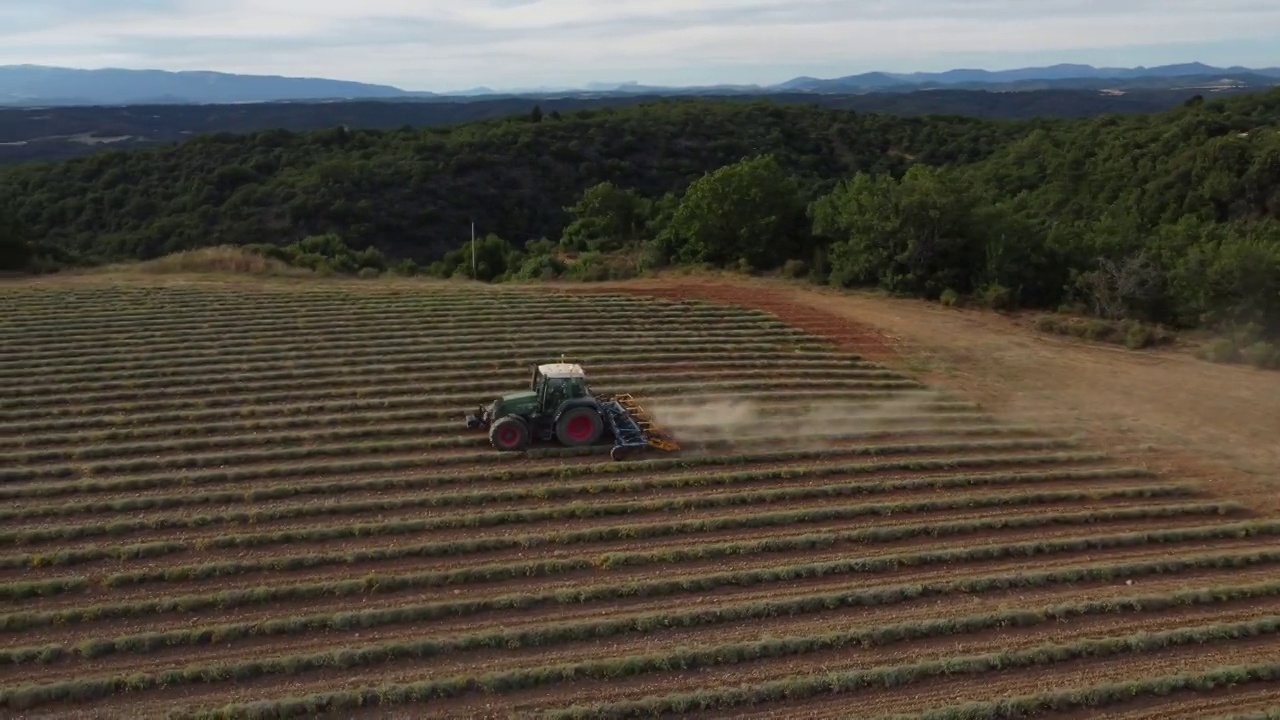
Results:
x,y
633,427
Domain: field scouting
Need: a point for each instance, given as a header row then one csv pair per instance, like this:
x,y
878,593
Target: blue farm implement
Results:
x,y
559,406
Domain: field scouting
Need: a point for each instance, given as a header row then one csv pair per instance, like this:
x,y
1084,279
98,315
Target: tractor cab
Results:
x,y
554,383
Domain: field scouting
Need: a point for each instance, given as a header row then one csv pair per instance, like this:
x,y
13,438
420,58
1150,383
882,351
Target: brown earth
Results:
x,y
553,611
816,621
1181,415
915,696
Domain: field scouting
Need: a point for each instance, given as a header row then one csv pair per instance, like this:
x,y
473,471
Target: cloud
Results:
x,y
443,45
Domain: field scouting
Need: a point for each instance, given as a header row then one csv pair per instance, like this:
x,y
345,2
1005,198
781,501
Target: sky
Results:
x,y
502,44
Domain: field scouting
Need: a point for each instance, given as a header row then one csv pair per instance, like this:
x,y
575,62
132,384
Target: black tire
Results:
x,y
579,426
509,434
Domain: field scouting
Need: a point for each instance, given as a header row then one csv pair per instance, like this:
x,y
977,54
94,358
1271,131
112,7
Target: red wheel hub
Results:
x,y
579,428
508,436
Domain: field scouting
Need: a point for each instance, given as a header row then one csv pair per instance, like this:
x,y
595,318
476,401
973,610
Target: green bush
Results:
x,y
1262,355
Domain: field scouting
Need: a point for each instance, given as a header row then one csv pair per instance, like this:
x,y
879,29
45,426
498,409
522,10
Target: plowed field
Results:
x,y
233,501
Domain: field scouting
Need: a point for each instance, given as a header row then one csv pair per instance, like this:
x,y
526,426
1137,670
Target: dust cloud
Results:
x,y
731,421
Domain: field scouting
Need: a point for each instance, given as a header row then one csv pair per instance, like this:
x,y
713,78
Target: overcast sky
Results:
x,y
438,45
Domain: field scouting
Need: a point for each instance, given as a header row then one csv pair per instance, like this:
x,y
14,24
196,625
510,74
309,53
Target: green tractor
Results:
x,y
559,405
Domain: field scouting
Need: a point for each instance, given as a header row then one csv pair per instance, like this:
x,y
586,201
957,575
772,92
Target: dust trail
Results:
x,y
732,421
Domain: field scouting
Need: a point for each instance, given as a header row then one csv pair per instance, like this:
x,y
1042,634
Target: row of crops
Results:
x,y
224,500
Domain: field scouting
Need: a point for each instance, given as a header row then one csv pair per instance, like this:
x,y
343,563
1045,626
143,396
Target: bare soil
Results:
x,y
818,621
912,697
1185,418
1217,423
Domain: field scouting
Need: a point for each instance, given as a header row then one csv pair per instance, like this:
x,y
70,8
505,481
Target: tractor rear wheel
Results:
x,y
579,426
510,434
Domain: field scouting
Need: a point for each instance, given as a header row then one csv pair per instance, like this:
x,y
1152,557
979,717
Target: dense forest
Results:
x,y
414,193
1168,218
54,133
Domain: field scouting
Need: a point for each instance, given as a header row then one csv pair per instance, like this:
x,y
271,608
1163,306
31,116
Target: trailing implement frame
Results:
x,y
633,427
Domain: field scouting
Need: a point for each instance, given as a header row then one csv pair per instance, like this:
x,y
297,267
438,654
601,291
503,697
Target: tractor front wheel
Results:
x,y
579,426
510,434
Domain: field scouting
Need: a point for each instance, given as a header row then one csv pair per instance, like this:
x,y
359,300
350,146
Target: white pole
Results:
x,y
473,250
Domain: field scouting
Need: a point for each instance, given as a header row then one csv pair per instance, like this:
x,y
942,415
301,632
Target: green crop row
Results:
x,y
51,421
65,557
862,597
491,385
345,323
400,582
1098,696
444,444
46,533
404,361
462,335
236,303
790,543
490,367
560,490
431,350
163,297
61,420
795,688
577,631
490,458
221,309
551,471
307,317
363,425
454,401
457,439
29,696
352,360
752,695
488,342
27,589
76,556
431,377
547,567
350,375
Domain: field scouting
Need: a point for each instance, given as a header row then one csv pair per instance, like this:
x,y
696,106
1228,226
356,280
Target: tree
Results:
x,y
605,218
495,258
1116,287
750,211
16,252
913,235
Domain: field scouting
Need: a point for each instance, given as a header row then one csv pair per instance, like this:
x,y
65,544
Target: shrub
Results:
x,y
1221,350
1262,355
795,269
997,297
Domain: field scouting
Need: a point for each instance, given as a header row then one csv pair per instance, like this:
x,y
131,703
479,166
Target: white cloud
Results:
x,y
443,45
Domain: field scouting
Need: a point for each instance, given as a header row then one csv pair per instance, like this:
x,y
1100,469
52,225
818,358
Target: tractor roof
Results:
x,y
562,370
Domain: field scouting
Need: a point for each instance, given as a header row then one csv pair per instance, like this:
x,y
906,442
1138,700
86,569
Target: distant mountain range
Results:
x,y
40,86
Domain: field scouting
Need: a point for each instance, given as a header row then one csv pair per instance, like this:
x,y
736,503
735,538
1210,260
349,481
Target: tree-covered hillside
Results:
x,y
414,193
55,133
1167,218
